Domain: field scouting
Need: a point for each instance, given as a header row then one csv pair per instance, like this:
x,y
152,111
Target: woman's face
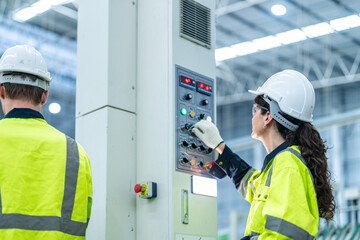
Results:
x,y
258,122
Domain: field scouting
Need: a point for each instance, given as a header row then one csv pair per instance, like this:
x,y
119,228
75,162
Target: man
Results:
x,y
45,177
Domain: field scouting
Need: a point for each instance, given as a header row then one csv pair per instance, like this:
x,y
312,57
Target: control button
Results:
x,y
184,144
220,163
201,148
192,162
183,111
192,114
204,102
186,127
184,160
138,188
193,146
200,164
209,150
188,96
209,165
201,116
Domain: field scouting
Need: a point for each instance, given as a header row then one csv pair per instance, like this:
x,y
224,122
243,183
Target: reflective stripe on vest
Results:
x,y
280,225
53,223
298,155
286,228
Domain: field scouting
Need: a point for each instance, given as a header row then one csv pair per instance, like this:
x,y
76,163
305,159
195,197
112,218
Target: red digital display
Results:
x,y
187,82
204,88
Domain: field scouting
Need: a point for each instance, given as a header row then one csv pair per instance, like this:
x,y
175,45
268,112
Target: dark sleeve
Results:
x,y
230,164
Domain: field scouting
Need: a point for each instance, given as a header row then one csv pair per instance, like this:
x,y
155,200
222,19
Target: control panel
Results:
x,y
194,102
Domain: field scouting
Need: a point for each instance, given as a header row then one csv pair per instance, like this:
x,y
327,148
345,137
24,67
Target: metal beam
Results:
x,y
236,7
66,11
349,74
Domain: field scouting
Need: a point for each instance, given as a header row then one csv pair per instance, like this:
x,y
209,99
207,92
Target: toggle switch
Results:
x,y
146,190
193,146
192,162
201,148
201,116
184,160
186,127
209,150
184,144
200,164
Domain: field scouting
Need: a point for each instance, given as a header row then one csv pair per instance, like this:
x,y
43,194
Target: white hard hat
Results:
x,y
293,93
24,59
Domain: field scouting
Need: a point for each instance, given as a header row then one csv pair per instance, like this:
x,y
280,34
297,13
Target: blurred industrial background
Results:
x,y
255,38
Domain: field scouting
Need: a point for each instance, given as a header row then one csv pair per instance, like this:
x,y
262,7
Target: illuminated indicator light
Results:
x,y
209,118
202,85
207,88
192,114
187,80
183,111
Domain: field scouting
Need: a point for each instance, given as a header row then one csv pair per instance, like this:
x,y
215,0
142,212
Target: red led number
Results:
x,y
202,85
187,80
207,88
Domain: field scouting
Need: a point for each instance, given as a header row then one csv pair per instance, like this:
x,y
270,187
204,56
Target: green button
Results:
x,y
183,111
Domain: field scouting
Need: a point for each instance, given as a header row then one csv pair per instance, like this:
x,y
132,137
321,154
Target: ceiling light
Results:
x,y
278,10
266,42
54,108
222,54
25,14
344,23
244,48
37,8
317,30
291,36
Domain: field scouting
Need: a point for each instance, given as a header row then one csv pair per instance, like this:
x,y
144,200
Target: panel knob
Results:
x,y
204,102
188,96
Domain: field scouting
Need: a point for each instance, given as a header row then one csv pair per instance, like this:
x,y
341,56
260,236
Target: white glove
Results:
x,y
208,133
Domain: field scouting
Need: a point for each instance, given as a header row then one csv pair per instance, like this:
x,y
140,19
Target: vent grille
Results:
x,y
195,20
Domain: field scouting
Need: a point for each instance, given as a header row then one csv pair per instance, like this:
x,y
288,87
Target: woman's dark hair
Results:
x,y
313,150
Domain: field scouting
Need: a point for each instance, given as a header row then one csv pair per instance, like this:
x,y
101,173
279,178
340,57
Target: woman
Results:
x,y
293,189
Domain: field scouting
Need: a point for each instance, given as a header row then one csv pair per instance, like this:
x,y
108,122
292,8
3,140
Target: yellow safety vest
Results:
x,y
45,182
283,199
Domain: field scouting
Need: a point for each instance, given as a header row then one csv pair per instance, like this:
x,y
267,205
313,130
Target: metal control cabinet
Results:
x,y
194,102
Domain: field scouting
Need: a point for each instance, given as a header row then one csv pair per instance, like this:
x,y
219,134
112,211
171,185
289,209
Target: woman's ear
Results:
x,y
267,118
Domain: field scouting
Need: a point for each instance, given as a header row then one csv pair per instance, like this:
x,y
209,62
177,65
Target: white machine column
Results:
x,y
105,112
140,63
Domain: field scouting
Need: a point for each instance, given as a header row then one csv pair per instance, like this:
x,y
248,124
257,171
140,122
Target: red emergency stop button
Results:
x,y
137,188
209,165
